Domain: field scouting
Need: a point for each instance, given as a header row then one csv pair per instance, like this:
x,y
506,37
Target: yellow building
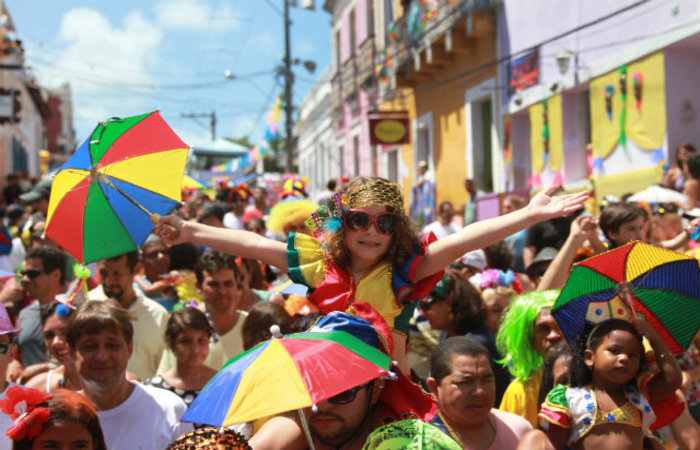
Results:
x,y
442,72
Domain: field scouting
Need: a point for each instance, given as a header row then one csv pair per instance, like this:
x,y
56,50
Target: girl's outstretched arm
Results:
x,y
670,377
486,232
174,230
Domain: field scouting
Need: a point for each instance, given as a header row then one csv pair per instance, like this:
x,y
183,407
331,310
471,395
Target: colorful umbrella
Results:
x,y
636,279
5,241
286,373
103,198
192,183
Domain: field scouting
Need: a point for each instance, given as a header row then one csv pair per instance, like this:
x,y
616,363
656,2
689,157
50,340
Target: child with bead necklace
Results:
x,y
609,403
365,257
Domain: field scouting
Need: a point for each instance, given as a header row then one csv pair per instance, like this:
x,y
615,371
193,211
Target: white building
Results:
x,y
315,131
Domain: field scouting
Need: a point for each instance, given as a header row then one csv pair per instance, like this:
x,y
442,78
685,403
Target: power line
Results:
x,y
275,8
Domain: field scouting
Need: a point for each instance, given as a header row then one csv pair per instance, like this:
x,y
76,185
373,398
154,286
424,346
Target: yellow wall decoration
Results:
x,y
627,114
554,134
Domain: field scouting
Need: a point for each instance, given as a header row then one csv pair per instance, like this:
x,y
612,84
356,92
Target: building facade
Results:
x,y
597,90
317,157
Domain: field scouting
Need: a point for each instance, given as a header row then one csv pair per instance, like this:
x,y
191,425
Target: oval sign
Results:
x,y
390,131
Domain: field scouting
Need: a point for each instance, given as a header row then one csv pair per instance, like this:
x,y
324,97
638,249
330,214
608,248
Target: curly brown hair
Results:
x,y
405,242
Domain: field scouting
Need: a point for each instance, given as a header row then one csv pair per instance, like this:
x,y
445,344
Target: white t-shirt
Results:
x,y
233,222
148,420
439,230
149,333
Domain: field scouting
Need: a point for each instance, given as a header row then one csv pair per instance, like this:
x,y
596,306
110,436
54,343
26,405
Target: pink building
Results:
x,y
354,86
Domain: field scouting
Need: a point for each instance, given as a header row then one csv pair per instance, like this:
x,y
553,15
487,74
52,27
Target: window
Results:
x,y
356,153
353,33
341,161
392,163
338,56
388,17
370,17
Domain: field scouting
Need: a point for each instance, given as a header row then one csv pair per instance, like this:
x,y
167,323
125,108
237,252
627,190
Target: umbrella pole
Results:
x,y
155,217
305,426
648,349
127,196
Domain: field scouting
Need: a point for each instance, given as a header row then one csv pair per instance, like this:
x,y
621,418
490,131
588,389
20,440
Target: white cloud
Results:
x,y
267,43
196,15
243,126
103,62
306,48
192,137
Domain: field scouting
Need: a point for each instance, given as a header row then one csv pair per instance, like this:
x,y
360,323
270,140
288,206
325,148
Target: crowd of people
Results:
x,y
111,355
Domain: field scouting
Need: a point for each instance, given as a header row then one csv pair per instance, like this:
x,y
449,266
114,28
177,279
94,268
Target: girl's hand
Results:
x,y
543,207
170,229
644,329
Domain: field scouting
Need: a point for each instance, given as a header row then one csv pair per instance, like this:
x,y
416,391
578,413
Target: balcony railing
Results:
x,y
410,35
357,71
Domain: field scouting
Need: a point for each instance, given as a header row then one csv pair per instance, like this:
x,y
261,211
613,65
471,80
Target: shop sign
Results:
x,y
389,127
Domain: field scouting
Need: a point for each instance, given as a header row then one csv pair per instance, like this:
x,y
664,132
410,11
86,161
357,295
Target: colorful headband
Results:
x,y
327,219
21,405
493,278
377,192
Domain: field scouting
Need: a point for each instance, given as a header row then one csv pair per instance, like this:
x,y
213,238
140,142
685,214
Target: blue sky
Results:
x,y
131,56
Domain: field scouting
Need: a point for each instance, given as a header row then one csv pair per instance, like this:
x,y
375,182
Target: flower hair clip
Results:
x,y
493,278
21,405
327,219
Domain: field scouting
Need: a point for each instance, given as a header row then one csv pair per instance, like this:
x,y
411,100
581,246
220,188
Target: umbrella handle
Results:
x,y
648,349
305,426
174,232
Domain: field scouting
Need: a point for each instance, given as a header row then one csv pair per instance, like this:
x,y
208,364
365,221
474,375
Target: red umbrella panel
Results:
x,y
662,286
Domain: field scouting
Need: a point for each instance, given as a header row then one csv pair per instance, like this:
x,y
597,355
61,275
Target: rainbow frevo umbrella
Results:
x,y
103,198
286,373
635,280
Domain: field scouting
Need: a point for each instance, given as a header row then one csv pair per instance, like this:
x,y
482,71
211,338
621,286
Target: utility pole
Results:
x,y
288,81
212,123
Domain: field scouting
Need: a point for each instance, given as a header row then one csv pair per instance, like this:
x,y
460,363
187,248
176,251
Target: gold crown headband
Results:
x,y
377,192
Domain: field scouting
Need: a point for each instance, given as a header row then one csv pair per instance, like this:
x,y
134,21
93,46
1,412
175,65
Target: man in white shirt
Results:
x,y
149,318
234,218
219,282
443,227
132,416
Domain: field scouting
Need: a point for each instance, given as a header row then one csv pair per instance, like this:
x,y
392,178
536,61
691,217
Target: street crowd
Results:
x,y
111,355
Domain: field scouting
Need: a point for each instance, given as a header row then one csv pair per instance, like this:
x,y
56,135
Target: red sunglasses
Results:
x,y
359,220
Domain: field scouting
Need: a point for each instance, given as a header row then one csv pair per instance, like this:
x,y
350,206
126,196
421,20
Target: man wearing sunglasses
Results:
x,y
345,421
43,278
443,226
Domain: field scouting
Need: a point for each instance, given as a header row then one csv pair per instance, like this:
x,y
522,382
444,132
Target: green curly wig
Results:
x,y
516,332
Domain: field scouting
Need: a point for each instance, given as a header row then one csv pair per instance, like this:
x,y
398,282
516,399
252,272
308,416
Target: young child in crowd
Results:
x,y
609,402
624,222
366,257
64,419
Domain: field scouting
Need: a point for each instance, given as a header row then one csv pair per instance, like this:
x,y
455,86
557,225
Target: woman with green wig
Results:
x,y
527,333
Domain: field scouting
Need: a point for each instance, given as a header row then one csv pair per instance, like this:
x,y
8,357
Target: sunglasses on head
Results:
x,y
32,273
347,396
359,220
